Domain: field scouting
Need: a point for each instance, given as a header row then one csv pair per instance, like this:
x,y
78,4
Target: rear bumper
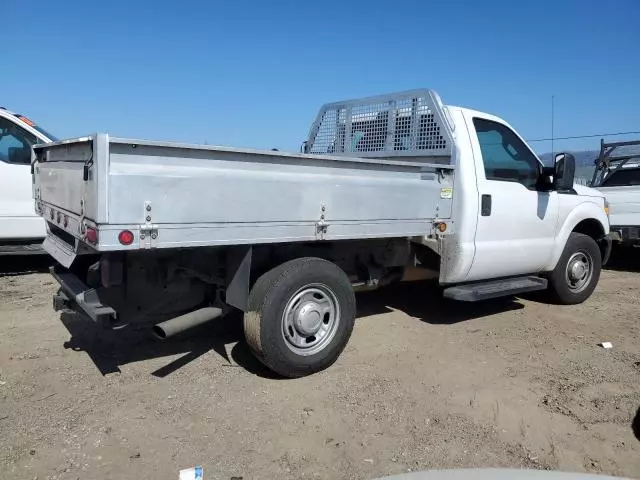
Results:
x,y
74,294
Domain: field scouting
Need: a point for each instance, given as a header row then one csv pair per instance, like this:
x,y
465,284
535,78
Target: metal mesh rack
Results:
x,y
410,123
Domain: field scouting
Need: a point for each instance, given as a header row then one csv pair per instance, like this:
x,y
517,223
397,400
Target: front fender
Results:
x,y
589,210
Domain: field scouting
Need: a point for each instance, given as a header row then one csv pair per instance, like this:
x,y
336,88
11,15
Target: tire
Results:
x,y
567,285
300,316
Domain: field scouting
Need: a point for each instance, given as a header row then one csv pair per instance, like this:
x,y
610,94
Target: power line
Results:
x,y
584,136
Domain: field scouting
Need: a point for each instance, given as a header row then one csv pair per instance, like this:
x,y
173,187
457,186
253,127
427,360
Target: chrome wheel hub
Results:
x,y
310,319
579,271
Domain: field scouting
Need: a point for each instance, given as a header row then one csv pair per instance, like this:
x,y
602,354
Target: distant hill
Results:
x,y
584,158
584,164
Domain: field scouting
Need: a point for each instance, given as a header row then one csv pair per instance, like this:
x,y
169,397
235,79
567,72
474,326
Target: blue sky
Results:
x,y
253,73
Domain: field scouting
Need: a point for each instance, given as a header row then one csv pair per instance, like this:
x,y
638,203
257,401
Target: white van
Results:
x,y
21,229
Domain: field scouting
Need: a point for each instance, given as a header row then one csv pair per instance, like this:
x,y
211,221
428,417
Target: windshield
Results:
x,y
623,178
50,136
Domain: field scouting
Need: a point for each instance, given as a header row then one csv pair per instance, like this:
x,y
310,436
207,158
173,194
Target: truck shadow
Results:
x,y
111,349
14,265
424,301
624,259
635,425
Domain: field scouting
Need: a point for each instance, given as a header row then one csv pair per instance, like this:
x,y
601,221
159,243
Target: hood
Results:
x,y
587,191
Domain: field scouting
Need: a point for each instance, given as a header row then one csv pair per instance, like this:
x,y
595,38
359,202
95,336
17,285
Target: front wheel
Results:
x,y
577,272
300,316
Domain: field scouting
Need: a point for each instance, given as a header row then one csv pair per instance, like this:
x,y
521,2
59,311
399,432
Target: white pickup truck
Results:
x,y
617,176
389,188
21,229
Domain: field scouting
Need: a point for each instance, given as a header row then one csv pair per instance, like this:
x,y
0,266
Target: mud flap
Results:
x,y
238,273
63,253
605,244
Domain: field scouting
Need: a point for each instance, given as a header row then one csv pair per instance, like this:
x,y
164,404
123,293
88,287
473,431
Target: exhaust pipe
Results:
x,y
173,326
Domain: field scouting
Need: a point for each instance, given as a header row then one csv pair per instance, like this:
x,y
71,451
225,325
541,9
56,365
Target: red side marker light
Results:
x,y
125,237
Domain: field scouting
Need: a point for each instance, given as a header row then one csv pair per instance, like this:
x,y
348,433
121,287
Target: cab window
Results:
x,y
506,158
15,143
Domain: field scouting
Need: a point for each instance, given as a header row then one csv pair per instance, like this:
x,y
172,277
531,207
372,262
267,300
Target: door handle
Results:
x,y
485,205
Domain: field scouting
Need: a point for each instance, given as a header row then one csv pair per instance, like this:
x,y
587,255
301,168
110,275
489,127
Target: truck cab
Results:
x,y
523,216
21,229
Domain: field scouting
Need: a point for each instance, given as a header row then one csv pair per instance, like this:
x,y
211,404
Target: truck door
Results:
x,y
516,224
18,219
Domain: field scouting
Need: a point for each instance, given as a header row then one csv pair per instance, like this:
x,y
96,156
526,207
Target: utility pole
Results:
x,y
553,152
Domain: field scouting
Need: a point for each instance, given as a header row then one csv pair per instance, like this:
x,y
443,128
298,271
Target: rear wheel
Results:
x,y
577,272
300,316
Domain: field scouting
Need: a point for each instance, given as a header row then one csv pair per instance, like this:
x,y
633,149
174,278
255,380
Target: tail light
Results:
x,y
125,237
91,235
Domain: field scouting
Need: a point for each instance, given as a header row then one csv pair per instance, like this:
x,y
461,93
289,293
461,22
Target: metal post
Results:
x,y
553,152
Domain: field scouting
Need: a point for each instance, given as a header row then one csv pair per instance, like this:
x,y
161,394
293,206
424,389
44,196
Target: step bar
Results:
x,y
475,292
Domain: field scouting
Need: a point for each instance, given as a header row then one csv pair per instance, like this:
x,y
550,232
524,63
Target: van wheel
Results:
x,y
300,316
577,272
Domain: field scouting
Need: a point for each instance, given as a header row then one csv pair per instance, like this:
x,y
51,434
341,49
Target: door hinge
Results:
x,y
322,225
148,236
148,231
321,229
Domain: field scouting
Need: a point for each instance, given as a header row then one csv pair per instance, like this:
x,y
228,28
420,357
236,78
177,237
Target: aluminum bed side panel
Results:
x,y
187,186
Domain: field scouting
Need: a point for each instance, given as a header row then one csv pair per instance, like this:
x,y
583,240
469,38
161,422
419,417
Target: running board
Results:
x,y
474,292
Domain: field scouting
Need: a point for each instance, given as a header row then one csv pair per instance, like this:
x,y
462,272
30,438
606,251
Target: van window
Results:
x,y
15,143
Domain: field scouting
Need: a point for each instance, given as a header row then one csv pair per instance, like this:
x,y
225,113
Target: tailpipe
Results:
x,y
176,325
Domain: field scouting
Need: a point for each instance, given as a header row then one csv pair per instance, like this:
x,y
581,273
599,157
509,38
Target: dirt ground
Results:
x,y
423,384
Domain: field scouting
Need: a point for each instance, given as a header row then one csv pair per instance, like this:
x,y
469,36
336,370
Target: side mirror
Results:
x,y
565,171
